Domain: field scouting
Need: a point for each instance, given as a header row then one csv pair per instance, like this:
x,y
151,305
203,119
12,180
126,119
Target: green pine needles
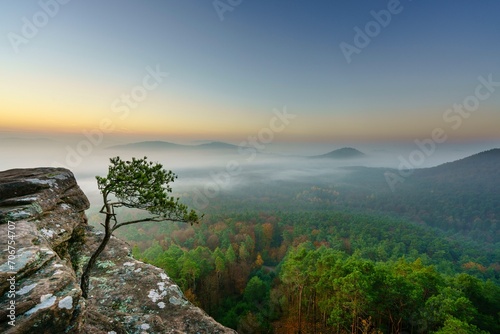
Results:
x,y
136,184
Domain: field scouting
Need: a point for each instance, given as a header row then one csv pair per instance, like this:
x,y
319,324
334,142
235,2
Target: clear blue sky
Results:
x,y
226,76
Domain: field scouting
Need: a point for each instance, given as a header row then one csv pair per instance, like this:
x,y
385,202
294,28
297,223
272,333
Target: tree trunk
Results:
x,y
85,281
300,309
314,312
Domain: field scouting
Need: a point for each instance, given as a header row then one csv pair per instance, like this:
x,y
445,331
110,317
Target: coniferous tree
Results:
x,y
136,184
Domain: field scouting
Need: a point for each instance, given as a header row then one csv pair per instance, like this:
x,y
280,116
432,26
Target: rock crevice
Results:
x,y
44,209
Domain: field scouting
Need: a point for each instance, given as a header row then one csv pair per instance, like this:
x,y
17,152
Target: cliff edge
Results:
x,y
45,241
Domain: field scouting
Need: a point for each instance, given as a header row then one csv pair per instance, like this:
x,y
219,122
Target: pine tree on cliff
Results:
x,y
136,184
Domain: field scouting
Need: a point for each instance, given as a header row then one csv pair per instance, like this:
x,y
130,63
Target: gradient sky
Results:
x,y
226,77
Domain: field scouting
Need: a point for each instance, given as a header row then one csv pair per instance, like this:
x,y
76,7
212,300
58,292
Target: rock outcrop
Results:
x,y
45,240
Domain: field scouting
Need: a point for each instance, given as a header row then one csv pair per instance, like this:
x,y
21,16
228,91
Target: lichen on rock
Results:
x,y
53,243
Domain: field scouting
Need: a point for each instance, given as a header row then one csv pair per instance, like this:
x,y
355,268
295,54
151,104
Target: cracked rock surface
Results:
x,y
44,210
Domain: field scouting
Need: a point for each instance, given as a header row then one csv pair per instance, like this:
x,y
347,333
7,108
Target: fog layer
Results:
x,y
206,171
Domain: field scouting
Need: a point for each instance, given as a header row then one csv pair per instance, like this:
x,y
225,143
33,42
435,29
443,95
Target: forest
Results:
x,y
340,257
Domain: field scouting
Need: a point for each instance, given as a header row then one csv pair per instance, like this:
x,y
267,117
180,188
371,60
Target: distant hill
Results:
x,y
478,166
163,145
217,145
480,169
459,196
28,142
342,153
147,145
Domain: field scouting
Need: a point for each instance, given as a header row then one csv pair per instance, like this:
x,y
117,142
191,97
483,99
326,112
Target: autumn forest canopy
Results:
x,y
341,253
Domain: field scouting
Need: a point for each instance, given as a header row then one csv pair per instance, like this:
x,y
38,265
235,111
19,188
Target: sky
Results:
x,y
186,70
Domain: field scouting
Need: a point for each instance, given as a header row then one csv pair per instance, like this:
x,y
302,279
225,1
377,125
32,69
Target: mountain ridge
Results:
x,y
165,145
430,195
341,153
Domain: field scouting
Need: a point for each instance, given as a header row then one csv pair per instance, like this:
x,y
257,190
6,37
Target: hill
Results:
x,y
147,145
163,145
342,153
12,142
217,145
460,196
479,167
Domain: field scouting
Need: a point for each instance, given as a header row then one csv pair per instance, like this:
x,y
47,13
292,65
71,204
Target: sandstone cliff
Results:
x,y
42,219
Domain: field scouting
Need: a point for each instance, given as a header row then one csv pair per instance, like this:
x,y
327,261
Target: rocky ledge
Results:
x,y
43,228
